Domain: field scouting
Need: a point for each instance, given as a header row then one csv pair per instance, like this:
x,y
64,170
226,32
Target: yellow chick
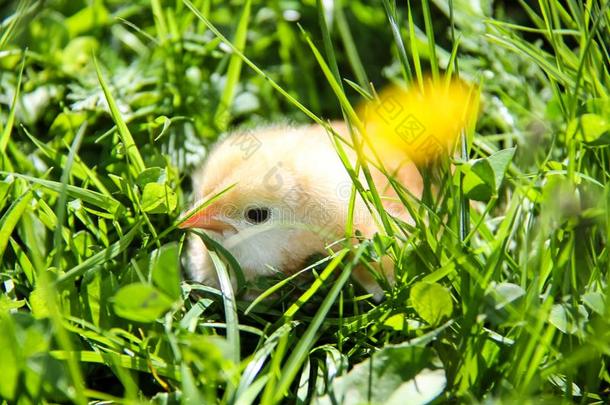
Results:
x,y
291,191
289,201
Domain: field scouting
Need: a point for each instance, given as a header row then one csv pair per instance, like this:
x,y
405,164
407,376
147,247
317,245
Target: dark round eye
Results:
x,y
257,215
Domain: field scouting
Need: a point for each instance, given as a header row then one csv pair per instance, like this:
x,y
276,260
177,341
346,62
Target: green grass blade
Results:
x,y
223,112
230,306
131,149
431,41
9,26
11,217
299,353
414,47
79,169
390,10
315,286
126,361
100,258
253,66
350,46
217,247
256,364
99,200
328,46
353,118
7,128
61,205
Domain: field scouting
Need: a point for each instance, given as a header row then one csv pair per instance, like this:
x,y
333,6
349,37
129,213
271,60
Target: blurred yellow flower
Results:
x,y
423,121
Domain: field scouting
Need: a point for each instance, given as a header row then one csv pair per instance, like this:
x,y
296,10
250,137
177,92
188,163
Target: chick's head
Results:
x,y
272,207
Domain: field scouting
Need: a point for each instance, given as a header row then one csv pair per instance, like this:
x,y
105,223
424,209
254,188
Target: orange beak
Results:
x,y
205,219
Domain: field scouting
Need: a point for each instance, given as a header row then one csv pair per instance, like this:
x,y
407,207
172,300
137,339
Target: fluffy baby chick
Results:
x,y
289,201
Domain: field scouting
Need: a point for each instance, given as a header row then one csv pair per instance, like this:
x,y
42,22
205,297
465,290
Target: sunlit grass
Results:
x,y
501,289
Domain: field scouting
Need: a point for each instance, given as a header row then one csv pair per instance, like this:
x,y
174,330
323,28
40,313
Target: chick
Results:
x,y
288,202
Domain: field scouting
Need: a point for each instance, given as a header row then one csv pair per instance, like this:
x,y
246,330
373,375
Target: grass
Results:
x,y
502,284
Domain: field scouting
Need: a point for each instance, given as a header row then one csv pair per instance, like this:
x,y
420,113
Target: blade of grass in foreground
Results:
x,y
318,282
299,354
256,364
126,361
101,257
61,205
328,46
228,296
332,60
277,286
230,308
9,24
353,117
102,201
133,154
79,170
414,49
217,247
10,219
223,112
431,42
10,121
350,47
253,66
390,10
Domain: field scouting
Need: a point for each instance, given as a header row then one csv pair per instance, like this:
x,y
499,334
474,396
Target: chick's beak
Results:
x,y
205,219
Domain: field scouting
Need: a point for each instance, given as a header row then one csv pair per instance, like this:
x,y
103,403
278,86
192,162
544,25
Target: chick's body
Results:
x,y
289,200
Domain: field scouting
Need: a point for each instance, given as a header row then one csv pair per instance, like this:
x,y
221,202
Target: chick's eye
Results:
x,y
257,215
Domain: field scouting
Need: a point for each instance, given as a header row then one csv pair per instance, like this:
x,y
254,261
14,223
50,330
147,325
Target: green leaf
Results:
x,y
431,301
81,243
140,302
38,302
593,129
596,301
165,269
126,361
394,373
151,175
427,385
24,261
479,181
64,123
7,304
158,199
395,322
567,319
505,294
87,19
77,54
484,176
162,120
499,162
